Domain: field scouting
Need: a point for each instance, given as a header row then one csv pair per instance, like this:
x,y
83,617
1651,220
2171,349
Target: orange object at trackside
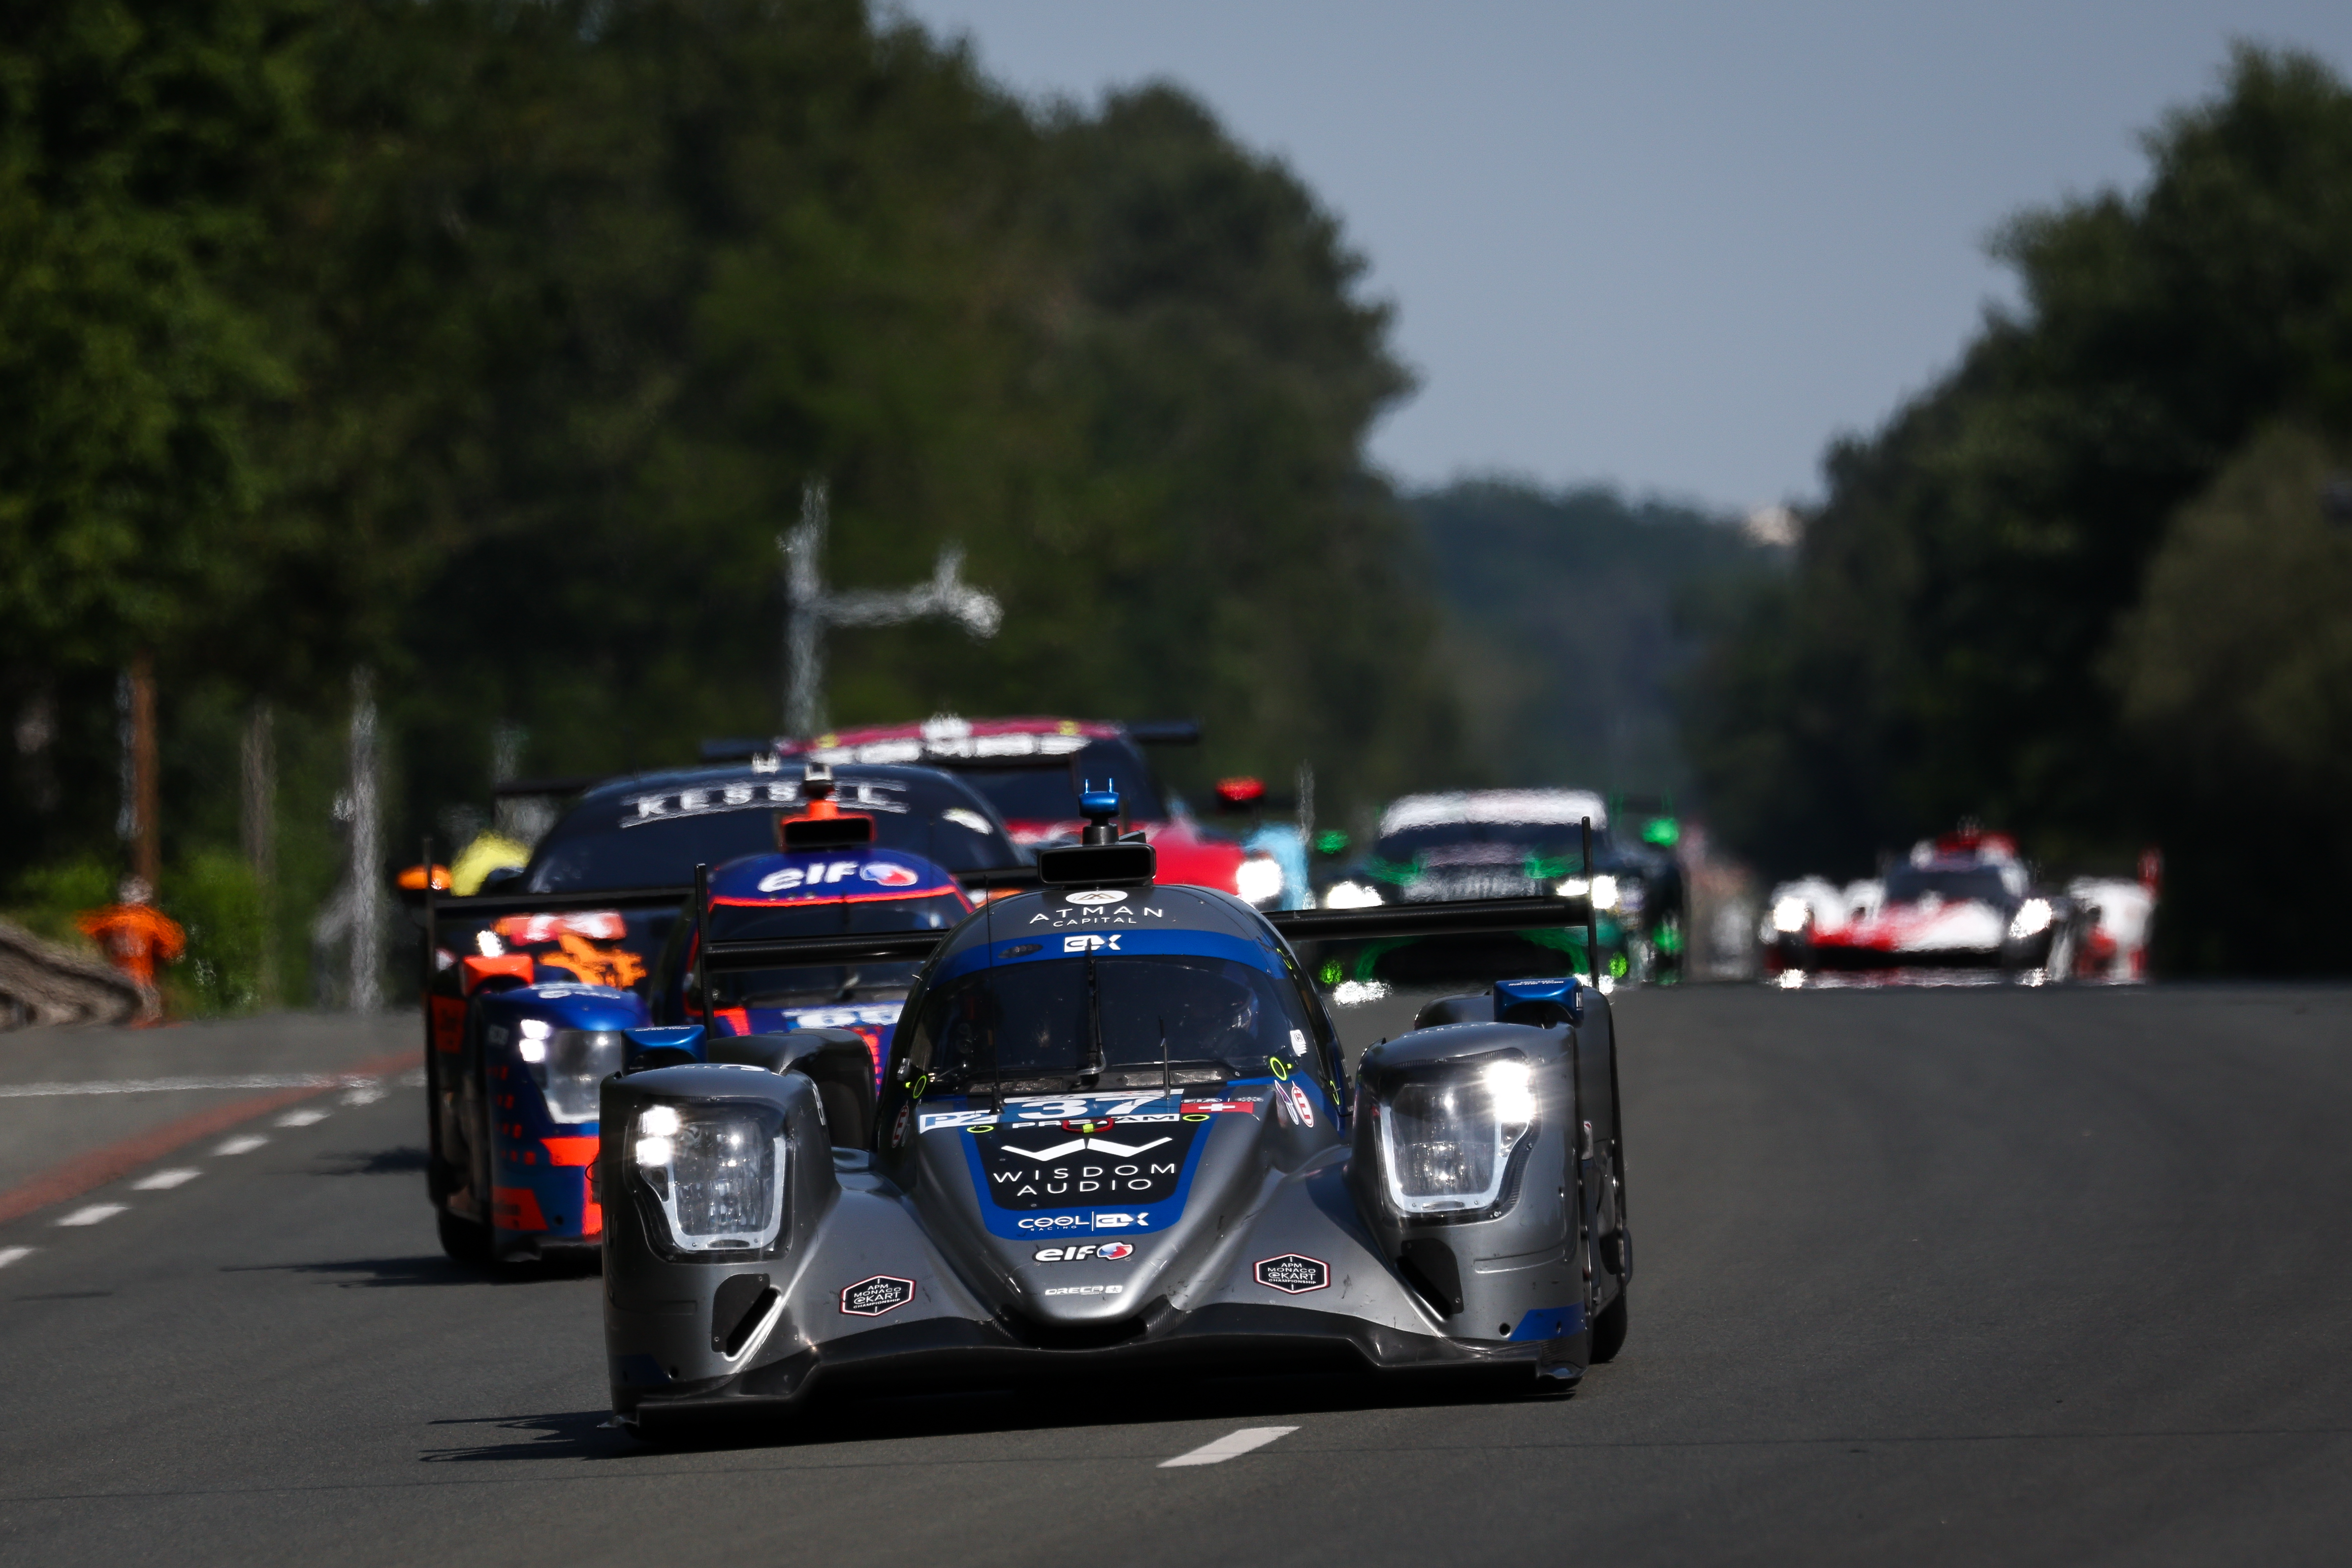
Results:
x,y
136,937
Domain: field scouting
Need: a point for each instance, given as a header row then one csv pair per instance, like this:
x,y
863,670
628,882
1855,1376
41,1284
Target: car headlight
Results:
x,y
1791,915
1351,896
716,1172
568,1064
2032,918
1447,1141
1258,880
1604,892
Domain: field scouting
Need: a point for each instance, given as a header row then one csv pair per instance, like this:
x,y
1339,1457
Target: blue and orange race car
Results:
x,y
520,1036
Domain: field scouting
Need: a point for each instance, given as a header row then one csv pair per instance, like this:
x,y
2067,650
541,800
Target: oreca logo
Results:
x,y
890,876
1094,895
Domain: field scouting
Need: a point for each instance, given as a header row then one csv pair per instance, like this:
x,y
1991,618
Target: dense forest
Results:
x,y
1573,620
488,346
475,353
2093,584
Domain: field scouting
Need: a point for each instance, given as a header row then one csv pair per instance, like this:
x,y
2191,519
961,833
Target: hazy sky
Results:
x,y
1675,247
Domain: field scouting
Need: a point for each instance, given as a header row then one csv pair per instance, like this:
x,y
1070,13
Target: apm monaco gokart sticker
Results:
x,y
1293,1273
872,1298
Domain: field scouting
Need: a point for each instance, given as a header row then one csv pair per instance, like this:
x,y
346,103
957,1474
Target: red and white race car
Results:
x,y
1032,771
1962,900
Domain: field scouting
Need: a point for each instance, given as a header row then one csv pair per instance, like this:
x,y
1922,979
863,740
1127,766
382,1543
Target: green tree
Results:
x,y
1940,650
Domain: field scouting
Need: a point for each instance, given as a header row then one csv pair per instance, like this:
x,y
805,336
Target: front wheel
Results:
x,y
465,1240
1609,1330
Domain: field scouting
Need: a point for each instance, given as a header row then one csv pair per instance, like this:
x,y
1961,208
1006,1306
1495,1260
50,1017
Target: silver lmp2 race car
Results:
x,y
1115,1130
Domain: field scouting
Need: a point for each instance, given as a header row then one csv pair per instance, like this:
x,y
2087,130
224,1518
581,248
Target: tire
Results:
x,y
1609,1330
462,1239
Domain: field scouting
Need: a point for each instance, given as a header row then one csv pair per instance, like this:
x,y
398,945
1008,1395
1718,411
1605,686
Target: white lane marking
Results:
x,y
172,1085
1228,1446
13,1254
245,1145
91,1214
301,1118
362,1094
163,1181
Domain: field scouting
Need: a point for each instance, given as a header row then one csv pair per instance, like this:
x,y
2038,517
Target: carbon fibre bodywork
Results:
x,y
1219,1210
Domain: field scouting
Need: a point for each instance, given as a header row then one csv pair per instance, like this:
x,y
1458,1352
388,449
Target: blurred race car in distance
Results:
x,y
1963,900
2119,918
1495,844
1033,771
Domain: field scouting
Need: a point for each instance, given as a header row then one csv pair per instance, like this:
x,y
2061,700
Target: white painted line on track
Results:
x,y
362,1094
1228,1446
301,1118
164,1181
14,1255
245,1145
91,1214
175,1085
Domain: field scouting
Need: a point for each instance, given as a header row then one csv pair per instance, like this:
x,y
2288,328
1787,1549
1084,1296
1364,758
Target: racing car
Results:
x,y
1963,900
1031,768
1490,844
521,1029
1116,1133
848,888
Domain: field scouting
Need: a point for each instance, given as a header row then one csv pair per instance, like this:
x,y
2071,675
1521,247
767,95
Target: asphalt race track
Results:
x,y
1923,1275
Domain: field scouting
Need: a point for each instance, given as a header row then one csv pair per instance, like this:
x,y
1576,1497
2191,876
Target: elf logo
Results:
x,y
1108,1251
792,877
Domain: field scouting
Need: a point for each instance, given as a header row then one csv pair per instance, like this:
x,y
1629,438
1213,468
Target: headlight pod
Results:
x,y
1257,881
1351,895
2033,917
1791,915
715,1175
1449,1138
568,1064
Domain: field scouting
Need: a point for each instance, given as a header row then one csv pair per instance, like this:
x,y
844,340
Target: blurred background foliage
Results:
x,y
2089,585
488,343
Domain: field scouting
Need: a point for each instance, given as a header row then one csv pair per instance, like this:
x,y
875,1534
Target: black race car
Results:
x,y
1115,1130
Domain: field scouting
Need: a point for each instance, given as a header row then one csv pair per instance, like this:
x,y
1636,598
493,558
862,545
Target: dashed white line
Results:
x,y
245,1145
362,1094
1228,1446
13,1254
301,1118
170,1084
91,1214
164,1181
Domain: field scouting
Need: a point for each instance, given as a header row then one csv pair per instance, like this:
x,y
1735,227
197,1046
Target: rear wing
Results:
x,y
1470,918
